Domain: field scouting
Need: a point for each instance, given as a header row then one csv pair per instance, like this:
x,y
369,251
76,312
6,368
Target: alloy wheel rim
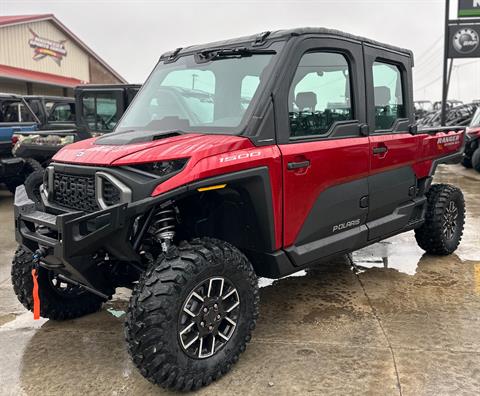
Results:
x,y
209,317
450,217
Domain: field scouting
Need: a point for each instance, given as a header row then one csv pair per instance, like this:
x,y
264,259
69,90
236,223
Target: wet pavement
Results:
x,y
389,320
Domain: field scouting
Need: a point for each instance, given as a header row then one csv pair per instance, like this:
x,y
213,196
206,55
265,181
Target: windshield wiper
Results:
x,y
224,53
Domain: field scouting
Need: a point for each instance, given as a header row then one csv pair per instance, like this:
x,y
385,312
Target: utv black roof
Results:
x,y
107,86
258,39
52,98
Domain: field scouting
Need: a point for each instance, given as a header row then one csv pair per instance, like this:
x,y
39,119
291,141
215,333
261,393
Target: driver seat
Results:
x,y
306,101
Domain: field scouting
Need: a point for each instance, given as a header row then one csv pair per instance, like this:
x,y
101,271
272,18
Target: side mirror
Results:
x,y
364,131
413,129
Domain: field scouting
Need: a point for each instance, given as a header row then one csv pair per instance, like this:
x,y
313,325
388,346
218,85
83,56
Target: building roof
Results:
x,y
14,19
9,20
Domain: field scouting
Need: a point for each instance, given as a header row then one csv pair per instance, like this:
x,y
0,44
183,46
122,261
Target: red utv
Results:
x,y
258,156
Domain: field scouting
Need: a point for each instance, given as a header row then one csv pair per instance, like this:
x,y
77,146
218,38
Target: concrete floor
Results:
x,y
399,322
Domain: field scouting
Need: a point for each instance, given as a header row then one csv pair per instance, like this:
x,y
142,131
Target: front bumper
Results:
x,y
72,238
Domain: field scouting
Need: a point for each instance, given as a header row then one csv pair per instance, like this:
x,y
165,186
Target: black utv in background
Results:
x,y
24,114
471,155
34,128
95,110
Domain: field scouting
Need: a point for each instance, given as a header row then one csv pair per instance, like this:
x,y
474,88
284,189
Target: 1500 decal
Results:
x,y
240,156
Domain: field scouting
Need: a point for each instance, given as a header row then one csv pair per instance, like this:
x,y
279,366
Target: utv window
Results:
x,y
320,94
62,112
248,89
389,101
16,112
201,93
99,112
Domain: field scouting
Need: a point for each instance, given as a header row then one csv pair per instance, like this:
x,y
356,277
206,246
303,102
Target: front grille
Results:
x,y
110,193
75,192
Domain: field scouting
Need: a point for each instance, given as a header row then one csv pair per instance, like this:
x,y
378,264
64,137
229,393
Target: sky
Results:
x,y
131,35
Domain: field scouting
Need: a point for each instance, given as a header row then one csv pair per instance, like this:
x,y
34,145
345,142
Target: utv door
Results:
x,y
392,181
98,110
320,114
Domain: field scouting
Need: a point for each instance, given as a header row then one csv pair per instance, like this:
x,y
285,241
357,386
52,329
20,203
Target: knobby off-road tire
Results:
x,y
444,220
56,302
29,167
157,309
476,160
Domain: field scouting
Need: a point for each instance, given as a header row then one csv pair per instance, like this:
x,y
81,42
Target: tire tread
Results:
x,y
145,329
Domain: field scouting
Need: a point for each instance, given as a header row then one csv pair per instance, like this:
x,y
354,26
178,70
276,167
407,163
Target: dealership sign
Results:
x,y
464,41
468,8
43,47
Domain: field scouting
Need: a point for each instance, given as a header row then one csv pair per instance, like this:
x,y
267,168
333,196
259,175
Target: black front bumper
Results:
x,y
72,238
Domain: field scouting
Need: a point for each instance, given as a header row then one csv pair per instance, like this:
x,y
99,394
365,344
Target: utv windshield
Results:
x,y
208,92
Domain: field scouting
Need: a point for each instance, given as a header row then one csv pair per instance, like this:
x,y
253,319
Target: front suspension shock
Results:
x,y
164,225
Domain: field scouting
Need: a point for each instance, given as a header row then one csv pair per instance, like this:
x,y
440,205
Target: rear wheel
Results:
x,y
191,316
58,300
476,160
444,220
29,167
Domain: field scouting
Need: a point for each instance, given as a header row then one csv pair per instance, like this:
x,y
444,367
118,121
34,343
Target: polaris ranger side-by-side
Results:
x,y
257,156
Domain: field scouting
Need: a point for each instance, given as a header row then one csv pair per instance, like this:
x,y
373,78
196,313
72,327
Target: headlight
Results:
x,y
162,168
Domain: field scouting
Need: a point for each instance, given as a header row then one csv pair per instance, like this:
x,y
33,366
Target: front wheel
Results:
x,y
444,220
58,300
192,315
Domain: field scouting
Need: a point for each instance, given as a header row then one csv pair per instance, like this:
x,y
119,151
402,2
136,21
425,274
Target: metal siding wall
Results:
x,y
14,87
15,51
47,90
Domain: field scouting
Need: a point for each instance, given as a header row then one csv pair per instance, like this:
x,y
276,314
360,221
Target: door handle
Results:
x,y
380,150
298,165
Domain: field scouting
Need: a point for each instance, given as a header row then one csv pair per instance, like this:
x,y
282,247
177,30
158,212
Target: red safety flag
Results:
x,y
36,298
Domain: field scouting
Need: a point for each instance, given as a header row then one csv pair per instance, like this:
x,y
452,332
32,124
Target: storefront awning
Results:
x,y
16,73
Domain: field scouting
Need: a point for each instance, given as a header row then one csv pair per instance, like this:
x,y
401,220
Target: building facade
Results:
x,y
41,56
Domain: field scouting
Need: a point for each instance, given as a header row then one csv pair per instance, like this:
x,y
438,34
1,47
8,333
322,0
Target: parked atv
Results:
x,y
95,110
263,173
471,155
